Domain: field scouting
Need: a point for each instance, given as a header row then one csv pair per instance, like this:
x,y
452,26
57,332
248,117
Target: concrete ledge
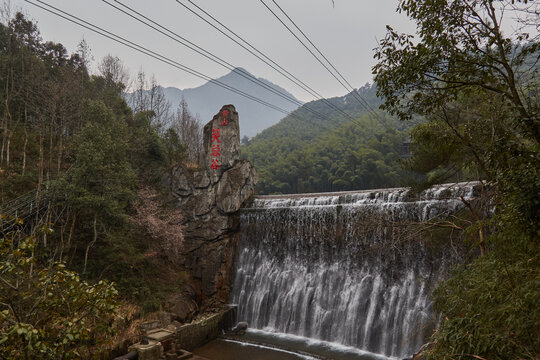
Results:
x,y
198,333
151,351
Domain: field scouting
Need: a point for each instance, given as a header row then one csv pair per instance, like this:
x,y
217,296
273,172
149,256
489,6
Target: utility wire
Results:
x,y
26,200
266,59
355,92
281,70
356,95
100,31
141,49
213,57
192,46
305,46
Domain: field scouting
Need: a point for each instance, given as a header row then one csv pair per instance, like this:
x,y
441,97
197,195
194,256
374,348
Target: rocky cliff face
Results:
x,y
210,198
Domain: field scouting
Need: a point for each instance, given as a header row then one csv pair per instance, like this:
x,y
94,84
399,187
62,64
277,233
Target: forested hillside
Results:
x,y
308,153
477,85
90,172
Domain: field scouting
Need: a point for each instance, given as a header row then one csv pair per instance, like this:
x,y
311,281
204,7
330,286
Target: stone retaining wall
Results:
x,y
196,334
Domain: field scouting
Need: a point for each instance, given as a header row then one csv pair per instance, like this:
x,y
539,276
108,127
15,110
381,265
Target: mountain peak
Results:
x,y
207,99
240,69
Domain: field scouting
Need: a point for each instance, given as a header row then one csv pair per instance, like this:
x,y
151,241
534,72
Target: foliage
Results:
x,y
101,179
71,134
164,226
175,151
48,312
491,306
41,98
461,48
478,89
297,155
147,150
300,127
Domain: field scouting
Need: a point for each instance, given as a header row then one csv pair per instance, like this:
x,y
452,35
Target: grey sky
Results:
x,y
346,33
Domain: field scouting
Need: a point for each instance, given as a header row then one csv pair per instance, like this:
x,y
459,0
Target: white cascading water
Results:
x,y
345,267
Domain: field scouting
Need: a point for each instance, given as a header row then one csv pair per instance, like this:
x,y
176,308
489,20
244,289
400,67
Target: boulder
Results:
x,y
179,307
235,187
221,136
240,328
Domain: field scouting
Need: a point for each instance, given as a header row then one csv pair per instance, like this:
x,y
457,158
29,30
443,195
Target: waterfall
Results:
x,y
348,267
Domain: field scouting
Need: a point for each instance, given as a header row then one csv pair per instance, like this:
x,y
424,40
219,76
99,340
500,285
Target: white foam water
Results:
x,y
342,267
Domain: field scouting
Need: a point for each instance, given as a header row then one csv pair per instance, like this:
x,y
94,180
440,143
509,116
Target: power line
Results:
x,y
301,42
192,46
324,57
14,206
213,57
98,30
105,33
266,59
281,70
355,93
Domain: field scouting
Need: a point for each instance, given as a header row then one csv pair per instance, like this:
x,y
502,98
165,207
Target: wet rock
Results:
x,y
240,328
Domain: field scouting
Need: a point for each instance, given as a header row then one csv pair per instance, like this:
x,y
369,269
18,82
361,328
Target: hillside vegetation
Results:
x,y
90,173
477,85
307,153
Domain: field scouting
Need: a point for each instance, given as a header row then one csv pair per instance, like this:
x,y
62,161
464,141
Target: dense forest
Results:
x,y
307,153
81,185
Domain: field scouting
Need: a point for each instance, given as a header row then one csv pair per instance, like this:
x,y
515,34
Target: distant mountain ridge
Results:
x,y
207,99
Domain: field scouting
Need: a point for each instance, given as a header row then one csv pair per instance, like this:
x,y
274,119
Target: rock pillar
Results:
x,y
210,197
221,142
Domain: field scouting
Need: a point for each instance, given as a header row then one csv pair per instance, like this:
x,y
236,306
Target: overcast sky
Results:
x,y
346,34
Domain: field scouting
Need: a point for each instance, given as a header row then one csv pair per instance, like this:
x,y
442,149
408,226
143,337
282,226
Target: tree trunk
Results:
x,y
7,150
90,244
481,242
60,148
71,230
5,121
41,164
24,151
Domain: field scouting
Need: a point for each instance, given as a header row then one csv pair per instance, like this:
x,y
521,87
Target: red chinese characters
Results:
x,y
224,120
216,133
216,148
215,164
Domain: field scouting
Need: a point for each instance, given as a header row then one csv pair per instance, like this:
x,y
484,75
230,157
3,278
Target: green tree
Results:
x,y
175,151
461,48
101,179
478,90
47,311
146,148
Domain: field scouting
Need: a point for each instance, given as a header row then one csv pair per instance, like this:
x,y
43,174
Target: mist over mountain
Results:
x,y
207,99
